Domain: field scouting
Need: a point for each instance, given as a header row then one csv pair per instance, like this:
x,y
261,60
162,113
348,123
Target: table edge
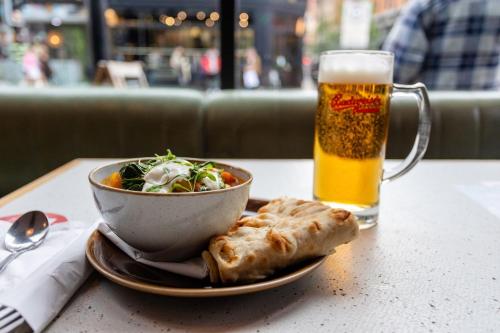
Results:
x,y
73,163
38,182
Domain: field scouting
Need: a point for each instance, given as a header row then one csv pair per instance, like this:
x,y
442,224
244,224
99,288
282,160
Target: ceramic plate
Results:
x,y
119,268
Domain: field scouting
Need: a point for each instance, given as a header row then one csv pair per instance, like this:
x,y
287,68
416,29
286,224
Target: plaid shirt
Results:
x,y
447,44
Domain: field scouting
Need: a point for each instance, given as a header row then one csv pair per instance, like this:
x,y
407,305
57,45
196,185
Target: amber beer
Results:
x,y
349,144
351,128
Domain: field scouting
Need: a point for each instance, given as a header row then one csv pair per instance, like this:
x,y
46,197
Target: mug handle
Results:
x,y
424,130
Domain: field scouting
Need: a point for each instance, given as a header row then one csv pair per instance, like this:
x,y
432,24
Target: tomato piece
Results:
x,y
113,180
228,178
197,187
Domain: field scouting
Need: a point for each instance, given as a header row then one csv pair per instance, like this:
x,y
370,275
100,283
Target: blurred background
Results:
x,y
230,78
183,43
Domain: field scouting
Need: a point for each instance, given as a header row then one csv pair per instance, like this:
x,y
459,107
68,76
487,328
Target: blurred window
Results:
x,y
279,41
270,43
44,43
178,43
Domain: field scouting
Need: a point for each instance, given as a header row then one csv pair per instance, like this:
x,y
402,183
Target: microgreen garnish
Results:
x,y
133,175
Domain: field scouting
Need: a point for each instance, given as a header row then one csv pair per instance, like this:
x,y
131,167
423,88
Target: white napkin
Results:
x,y
39,282
194,267
486,194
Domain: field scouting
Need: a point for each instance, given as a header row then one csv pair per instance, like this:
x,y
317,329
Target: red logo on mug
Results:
x,y
356,104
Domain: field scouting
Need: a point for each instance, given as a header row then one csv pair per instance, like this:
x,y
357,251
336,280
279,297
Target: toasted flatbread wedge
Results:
x,y
285,231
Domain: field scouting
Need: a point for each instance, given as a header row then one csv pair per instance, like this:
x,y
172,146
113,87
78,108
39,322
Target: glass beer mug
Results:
x,y
352,121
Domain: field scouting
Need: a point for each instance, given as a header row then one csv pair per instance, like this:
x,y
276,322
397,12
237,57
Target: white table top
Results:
x,y
432,263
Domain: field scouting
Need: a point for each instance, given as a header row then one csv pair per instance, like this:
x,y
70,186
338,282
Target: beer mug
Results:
x,y
352,121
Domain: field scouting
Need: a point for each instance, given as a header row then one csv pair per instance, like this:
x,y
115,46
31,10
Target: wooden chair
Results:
x,y
120,74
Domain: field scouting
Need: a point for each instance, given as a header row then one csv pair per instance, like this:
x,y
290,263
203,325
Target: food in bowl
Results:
x,y
169,226
168,174
284,232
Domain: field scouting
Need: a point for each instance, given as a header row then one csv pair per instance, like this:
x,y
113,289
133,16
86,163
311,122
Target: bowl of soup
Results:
x,y
169,207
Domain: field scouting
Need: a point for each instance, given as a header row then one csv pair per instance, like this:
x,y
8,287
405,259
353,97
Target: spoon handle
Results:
x,y
8,260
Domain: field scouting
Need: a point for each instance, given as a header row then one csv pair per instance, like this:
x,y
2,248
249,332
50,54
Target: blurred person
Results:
x,y
154,62
284,70
210,67
274,78
447,44
32,70
251,69
43,57
180,63
5,40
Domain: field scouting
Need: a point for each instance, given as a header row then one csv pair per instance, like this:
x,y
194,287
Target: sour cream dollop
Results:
x,y
213,184
164,176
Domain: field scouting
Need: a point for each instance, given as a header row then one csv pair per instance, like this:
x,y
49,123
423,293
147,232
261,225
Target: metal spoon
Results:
x,y
25,234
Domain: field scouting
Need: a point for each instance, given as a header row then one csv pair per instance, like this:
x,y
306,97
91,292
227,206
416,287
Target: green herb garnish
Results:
x,y
133,175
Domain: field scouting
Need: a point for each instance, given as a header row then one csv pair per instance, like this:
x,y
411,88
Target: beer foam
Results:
x,y
356,68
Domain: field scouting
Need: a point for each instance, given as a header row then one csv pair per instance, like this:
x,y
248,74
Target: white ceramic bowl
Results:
x,y
170,226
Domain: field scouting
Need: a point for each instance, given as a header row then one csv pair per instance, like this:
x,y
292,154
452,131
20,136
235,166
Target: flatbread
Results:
x,y
284,232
